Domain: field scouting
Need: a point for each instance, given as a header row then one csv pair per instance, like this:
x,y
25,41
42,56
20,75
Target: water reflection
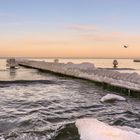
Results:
x,y
12,73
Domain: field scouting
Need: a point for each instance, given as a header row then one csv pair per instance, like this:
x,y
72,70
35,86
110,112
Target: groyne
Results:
x,y
128,83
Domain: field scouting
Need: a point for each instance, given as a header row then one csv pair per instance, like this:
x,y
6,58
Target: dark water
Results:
x,y
41,106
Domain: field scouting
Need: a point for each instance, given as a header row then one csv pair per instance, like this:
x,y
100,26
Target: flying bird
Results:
x,y
125,46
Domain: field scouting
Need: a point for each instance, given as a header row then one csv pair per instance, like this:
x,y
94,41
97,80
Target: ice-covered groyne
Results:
x,y
129,82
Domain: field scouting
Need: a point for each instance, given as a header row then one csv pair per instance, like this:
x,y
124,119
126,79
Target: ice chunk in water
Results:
x,y
112,97
92,129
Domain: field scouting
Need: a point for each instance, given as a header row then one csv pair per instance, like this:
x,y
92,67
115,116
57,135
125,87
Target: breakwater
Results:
x,y
128,83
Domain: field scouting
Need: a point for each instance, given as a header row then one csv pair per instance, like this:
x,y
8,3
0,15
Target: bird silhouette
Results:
x,y
125,46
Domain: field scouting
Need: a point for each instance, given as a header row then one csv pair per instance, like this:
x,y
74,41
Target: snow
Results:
x,y
112,97
92,129
83,66
89,71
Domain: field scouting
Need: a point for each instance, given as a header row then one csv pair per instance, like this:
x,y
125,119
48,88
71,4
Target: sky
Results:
x,y
70,28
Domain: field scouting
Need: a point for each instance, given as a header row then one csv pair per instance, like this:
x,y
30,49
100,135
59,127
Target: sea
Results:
x,y
35,105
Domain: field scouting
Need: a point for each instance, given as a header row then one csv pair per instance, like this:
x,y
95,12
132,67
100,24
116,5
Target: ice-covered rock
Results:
x,y
92,129
112,97
135,130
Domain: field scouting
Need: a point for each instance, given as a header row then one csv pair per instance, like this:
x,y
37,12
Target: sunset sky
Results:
x,y
70,28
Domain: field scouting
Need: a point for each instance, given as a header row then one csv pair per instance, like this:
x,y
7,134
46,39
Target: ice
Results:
x,y
112,97
92,129
83,66
88,71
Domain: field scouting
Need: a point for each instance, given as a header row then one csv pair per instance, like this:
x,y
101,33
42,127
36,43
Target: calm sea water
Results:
x,y
41,106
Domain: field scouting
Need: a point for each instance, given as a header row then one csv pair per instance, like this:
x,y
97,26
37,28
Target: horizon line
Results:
x,y
71,57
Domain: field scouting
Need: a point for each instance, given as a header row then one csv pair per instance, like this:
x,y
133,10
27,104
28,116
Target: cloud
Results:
x,y
80,27
98,37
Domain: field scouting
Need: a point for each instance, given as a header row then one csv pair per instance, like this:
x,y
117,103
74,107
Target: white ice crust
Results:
x,y
88,71
112,97
82,66
92,129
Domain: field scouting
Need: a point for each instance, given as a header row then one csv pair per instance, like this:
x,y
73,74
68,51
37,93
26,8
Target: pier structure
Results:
x,y
122,82
11,63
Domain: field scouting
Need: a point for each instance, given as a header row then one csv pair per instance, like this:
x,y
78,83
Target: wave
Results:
x,y
67,132
64,132
27,82
70,131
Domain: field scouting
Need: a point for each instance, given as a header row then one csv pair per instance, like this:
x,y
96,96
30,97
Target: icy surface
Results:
x,y
92,129
112,97
89,71
82,66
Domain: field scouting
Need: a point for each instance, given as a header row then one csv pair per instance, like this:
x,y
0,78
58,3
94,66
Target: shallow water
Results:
x,y
42,106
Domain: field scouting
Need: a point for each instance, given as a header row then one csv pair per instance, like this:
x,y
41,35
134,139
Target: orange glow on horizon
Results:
x,y
99,45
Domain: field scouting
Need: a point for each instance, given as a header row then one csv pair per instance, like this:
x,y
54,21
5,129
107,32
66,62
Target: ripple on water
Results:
x,y
43,111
